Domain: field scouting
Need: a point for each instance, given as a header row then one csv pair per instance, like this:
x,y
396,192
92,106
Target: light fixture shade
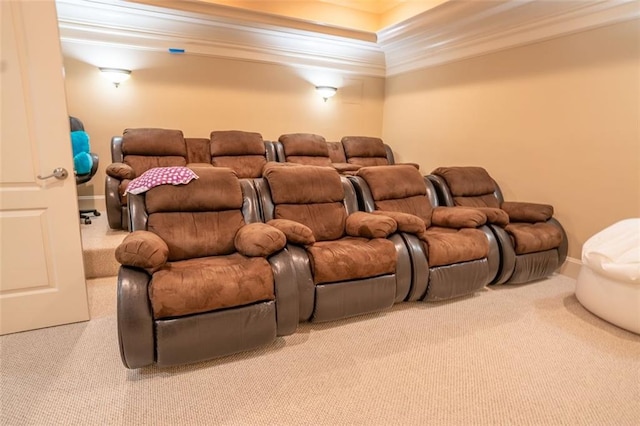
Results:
x,y
115,75
326,91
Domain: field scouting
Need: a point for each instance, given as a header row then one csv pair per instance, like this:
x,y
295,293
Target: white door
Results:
x,y
42,275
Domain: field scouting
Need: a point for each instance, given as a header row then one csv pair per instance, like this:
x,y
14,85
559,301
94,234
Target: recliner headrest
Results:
x,y
303,184
153,142
236,142
466,181
393,182
363,146
304,144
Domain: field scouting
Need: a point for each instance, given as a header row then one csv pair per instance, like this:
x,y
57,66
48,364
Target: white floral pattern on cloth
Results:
x,y
177,175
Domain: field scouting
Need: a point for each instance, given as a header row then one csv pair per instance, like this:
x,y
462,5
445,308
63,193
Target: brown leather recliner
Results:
x,y
452,253
533,243
308,149
347,262
200,276
133,153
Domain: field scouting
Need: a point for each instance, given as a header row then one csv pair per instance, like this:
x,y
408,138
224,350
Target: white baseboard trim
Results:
x,y
571,267
86,202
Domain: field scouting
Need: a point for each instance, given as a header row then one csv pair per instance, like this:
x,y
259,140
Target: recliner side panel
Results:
x,y
218,333
452,281
346,299
534,266
135,320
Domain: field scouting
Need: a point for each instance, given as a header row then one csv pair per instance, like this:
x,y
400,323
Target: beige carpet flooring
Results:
x,y
528,355
98,246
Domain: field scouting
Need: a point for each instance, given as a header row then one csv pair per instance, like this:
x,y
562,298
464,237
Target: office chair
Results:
x,y
75,124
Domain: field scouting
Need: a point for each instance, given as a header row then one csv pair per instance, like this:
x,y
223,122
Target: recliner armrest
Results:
x,y
143,249
259,240
495,216
527,212
368,225
409,223
458,217
296,233
120,171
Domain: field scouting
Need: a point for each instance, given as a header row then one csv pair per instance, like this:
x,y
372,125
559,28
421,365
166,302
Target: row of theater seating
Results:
x,y
138,150
222,265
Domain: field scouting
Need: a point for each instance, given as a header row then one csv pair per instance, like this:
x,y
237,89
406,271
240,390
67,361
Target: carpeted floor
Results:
x,y
509,355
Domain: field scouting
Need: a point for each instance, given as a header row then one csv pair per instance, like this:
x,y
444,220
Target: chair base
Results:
x,y
85,215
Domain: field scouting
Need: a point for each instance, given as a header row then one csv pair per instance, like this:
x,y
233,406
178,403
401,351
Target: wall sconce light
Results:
x,y
115,75
326,91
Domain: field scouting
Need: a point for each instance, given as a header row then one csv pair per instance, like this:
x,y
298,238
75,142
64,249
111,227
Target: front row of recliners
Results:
x,y
222,265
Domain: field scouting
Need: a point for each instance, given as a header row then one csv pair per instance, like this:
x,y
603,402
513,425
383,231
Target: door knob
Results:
x,y
58,173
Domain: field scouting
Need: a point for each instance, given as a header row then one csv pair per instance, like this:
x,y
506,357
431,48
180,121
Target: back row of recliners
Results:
x,y
222,264
138,150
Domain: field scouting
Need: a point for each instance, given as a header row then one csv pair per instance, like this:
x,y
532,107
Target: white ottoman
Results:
x,y
609,281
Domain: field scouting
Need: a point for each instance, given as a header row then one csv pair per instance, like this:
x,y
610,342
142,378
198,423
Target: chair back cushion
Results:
x,y
243,152
309,195
336,152
305,148
399,188
143,149
469,186
198,150
198,219
365,151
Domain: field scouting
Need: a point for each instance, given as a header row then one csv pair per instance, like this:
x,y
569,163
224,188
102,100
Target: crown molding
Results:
x,y
218,31
224,14
459,30
452,31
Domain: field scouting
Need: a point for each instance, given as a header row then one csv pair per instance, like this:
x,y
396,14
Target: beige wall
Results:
x,y
554,122
199,94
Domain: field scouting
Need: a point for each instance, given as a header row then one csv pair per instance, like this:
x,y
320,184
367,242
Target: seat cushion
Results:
x,y
446,246
351,258
209,283
534,237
